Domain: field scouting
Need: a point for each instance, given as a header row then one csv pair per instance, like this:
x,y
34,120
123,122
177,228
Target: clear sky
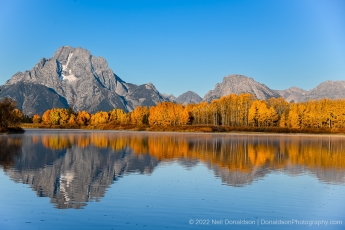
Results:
x,y
181,45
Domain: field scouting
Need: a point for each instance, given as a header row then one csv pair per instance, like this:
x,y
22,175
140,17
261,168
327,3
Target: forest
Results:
x,y
233,112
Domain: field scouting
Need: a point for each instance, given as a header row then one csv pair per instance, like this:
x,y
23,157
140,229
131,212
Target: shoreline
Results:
x,y
237,133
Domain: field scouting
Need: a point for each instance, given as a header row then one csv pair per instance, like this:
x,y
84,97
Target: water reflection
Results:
x,y
77,167
9,150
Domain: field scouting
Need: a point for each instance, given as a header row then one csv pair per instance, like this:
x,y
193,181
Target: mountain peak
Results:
x,y
170,97
328,89
238,84
84,81
292,94
188,97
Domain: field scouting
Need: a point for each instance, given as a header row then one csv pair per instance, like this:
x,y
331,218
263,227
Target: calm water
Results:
x,y
53,179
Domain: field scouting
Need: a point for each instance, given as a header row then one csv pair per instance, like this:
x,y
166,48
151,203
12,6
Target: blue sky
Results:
x,y
183,44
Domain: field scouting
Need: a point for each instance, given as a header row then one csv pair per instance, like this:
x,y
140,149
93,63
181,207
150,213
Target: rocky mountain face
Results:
x,y
188,97
327,89
74,78
34,98
237,84
292,94
170,97
185,98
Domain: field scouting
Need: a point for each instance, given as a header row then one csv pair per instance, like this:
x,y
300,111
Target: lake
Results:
x,y
76,179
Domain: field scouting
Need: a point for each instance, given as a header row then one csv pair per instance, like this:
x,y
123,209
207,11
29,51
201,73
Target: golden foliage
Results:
x,y
233,111
140,115
117,116
72,120
54,117
83,118
99,118
36,119
46,117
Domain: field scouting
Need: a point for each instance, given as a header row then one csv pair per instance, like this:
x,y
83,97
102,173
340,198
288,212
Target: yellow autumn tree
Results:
x,y
64,116
186,117
282,121
36,119
294,120
140,115
253,114
46,118
99,118
116,115
54,116
72,120
83,118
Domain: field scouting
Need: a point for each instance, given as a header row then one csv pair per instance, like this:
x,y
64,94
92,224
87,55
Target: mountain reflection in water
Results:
x,y
72,168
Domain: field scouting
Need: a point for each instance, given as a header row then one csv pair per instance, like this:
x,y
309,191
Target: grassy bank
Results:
x,y
187,128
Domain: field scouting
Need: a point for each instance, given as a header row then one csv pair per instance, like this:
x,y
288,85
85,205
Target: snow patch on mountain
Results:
x,y
64,67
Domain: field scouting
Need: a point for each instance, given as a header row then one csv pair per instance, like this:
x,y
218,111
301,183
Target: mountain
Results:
x,y
237,84
188,97
34,98
74,78
185,98
293,94
327,89
170,97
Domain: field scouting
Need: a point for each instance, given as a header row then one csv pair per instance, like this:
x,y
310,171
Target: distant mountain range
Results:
x,y
241,84
74,78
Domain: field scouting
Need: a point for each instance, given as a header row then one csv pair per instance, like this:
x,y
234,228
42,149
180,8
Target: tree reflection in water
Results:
x,y
9,150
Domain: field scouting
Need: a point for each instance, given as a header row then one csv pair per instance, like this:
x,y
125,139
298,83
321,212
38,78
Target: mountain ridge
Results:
x,y
74,78
236,84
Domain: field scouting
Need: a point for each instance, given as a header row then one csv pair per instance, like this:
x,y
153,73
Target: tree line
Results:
x,y
242,110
